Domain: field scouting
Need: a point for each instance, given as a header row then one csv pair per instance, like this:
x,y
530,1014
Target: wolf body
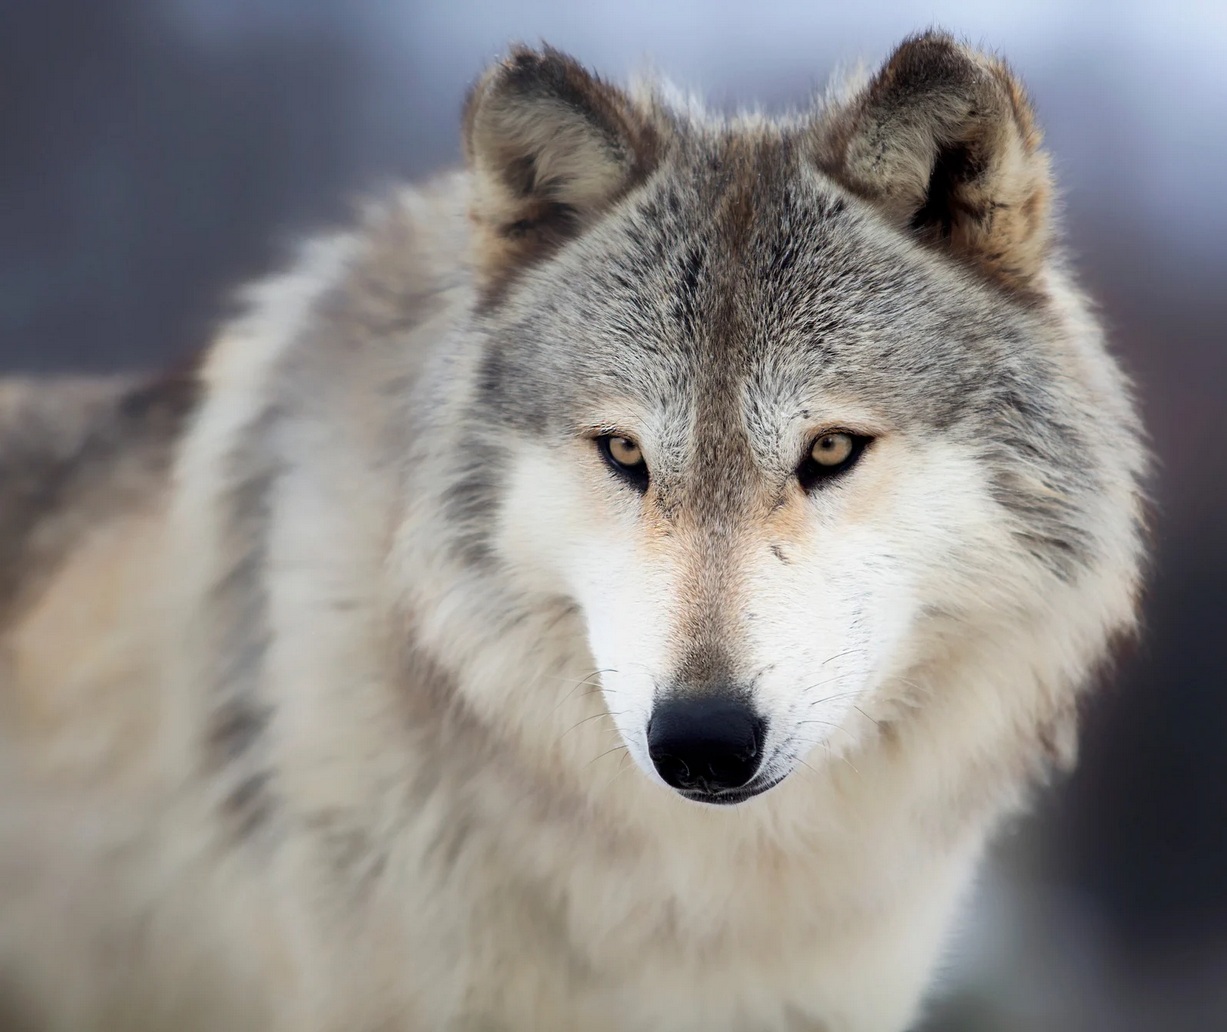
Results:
x,y
480,637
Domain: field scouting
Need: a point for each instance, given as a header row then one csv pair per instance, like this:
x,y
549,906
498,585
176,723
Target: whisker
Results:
x,y
604,754
805,763
622,768
807,744
585,680
828,723
828,680
840,655
587,677
838,695
591,716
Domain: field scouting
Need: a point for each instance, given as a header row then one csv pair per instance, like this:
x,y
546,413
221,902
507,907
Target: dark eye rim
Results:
x,y
813,475
637,475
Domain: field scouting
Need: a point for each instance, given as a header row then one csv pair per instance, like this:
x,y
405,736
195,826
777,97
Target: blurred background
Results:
x,y
156,153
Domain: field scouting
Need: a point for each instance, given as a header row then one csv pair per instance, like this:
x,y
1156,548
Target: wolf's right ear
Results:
x,y
550,148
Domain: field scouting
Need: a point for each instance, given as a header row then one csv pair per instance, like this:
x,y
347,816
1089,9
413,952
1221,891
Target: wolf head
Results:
x,y
794,412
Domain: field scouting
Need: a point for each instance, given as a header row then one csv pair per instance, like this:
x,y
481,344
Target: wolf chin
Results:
x,y
620,585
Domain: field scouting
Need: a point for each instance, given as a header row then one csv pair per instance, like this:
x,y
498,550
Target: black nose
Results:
x,y
705,744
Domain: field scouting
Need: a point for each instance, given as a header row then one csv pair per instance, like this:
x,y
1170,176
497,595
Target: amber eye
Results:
x,y
830,455
625,458
832,449
624,451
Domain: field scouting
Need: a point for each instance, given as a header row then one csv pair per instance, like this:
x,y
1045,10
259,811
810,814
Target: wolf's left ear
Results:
x,y
944,141
550,148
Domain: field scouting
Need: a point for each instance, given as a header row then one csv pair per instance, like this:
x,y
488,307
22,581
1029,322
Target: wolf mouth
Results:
x,y
732,796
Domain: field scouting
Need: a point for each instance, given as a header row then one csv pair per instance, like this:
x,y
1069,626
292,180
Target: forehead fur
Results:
x,y
739,267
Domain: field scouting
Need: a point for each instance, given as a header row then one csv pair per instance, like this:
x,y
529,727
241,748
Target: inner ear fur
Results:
x,y
550,148
944,141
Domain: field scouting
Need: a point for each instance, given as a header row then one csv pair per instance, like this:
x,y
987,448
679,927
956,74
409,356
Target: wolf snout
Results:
x,y
705,745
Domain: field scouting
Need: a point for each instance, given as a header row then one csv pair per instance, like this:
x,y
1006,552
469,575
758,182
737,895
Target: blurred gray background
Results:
x,y
155,153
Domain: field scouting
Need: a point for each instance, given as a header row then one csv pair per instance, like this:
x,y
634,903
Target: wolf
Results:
x,y
622,584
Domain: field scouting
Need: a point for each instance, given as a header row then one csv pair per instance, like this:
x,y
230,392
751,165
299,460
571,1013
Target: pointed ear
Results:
x,y
550,148
944,141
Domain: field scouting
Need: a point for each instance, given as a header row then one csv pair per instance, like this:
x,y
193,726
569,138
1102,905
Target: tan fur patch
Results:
x,y
74,653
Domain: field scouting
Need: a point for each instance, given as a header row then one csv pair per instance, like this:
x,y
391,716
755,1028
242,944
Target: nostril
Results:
x,y
673,770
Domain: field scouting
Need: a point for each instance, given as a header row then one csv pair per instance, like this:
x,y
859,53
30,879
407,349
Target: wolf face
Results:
x,y
781,407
